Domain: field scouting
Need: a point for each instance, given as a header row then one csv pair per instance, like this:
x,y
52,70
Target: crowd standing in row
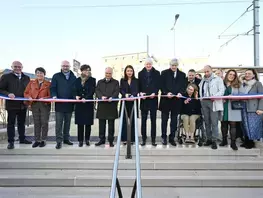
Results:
x,y
182,97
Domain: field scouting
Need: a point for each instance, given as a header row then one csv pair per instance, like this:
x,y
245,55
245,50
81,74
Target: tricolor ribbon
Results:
x,y
230,97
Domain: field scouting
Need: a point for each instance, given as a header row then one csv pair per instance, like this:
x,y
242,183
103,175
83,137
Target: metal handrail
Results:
x,y
137,154
117,154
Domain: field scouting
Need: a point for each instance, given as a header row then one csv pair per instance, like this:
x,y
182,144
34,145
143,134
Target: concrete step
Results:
x,y
123,157
128,181
14,173
144,151
154,164
147,192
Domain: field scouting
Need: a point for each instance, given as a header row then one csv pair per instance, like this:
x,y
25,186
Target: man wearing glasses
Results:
x,y
61,87
13,85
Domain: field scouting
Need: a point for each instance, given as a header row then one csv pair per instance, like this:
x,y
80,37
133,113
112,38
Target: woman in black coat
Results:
x,y
191,111
129,87
84,88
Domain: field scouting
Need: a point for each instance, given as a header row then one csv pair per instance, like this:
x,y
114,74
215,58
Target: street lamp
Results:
x,y
173,28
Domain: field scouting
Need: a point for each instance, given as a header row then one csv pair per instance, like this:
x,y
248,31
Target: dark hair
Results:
x,y
128,67
192,70
85,67
40,69
255,73
200,75
236,82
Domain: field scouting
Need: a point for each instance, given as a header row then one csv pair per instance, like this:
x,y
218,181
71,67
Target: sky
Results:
x,y
38,35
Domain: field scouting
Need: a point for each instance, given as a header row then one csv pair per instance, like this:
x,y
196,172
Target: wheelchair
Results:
x,y
198,134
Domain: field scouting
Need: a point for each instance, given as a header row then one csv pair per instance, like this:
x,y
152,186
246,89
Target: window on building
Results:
x,y
105,60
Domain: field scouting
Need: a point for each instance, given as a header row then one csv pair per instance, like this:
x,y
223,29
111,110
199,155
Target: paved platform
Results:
x,y
94,131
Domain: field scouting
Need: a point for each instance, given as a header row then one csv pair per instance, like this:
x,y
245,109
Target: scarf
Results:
x,y
247,85
205,89
67,74
83,79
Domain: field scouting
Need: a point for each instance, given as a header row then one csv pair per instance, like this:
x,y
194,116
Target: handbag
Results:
x,y
237,105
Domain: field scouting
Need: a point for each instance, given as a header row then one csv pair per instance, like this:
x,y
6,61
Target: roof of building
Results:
x,y
113,56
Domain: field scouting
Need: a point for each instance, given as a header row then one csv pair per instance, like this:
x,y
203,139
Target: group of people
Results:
x,y
181,95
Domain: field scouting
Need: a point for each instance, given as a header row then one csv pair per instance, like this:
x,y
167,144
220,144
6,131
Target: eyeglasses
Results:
x,y
64,65
18,67
108,73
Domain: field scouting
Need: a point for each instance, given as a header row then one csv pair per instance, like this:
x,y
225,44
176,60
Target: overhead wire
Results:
x,y
134,5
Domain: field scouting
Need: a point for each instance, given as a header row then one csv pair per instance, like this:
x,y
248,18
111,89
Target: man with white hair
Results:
x,y
13,85
149,85
61,87
107,88
173,84
210,86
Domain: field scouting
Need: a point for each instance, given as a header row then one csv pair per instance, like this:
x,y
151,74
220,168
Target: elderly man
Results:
x,y
173,84
191,77
211,86
149,84
61,87
13,85
107,89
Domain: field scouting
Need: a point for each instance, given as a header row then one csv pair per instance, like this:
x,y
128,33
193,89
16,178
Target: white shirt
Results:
x,y
175,74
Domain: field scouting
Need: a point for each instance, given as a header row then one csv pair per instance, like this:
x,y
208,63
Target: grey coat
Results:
x,y
254,104
234,115
107,110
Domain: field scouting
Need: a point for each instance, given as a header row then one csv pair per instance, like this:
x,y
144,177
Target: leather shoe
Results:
x,y
154,143
100,143
172,142
68,142
80,144
208,143
59,145
164,142
214,145
111,144
10,145
36,144
143,143
42,144
87,143
25,141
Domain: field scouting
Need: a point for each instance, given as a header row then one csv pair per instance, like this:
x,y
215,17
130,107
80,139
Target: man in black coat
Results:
x,y
107,88
13,85
149,85
62,85
191,78
173,84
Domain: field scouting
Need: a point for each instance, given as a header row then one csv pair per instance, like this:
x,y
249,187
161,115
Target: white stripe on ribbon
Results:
x,y
230,97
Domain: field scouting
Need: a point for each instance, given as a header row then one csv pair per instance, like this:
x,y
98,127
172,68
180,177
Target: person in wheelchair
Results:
x,y
190,112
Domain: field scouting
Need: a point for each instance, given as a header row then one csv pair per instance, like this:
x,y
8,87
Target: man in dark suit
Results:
x,y
191,77
173,84
107,88
149,79
13,85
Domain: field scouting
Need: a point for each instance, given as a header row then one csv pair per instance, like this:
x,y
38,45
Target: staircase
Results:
x,y
182,172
